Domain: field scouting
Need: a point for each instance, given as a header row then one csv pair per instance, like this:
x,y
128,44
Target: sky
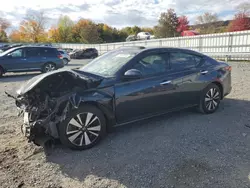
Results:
x,y
117,13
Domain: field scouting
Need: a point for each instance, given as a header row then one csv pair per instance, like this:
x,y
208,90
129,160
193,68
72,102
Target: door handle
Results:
x,y
166,82
204,72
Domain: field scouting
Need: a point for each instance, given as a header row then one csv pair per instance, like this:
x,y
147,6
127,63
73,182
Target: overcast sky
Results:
x,y
117,13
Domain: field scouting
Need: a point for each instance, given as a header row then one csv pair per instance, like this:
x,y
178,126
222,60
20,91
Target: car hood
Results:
x,y
33,82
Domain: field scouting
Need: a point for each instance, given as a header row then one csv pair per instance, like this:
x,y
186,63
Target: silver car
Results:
x,y
66,57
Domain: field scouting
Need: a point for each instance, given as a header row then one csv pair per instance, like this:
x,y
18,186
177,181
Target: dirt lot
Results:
x,y
182,149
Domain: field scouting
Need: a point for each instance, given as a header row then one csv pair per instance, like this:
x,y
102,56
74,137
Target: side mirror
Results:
x,y
132,74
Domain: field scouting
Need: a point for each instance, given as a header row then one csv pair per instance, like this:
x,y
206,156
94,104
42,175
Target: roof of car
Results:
x,y
142,48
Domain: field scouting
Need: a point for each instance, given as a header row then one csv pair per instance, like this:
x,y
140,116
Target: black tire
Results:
x,y
47,69
84,137
210,99
65,61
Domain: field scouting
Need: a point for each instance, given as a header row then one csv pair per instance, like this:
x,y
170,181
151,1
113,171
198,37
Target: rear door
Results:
x,y
34,59
186,65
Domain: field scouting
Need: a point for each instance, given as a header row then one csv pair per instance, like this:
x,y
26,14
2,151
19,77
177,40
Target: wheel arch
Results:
x,y
220,87
108,113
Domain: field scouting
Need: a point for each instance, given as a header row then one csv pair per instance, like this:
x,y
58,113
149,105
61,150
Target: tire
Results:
x,y
77,136
210,99
48,67
65,61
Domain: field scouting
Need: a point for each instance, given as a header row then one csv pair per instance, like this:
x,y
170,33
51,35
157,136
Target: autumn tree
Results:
x,y
167,24
206,18
32,28
65,26
86,31
182,24
240,23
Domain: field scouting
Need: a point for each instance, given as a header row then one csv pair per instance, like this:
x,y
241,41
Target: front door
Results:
x,y
152,94
15,60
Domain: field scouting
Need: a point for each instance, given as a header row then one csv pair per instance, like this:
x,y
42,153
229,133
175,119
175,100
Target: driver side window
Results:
x,y
152,64
17,53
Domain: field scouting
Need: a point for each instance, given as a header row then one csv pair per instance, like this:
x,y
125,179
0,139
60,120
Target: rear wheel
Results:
x,y
65,61
49,67
210,99
83,128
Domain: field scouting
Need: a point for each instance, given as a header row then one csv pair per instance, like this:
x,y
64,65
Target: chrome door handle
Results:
x,y
204,72
166,82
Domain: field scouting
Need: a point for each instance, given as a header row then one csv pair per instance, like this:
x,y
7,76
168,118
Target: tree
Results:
x,y
206,18
182,24
86,31
15,36
167,24
33,27
240,23
3,36
244,8
65,26
53,35
4,24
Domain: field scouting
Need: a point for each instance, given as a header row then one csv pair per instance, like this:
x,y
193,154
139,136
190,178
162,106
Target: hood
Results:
x,y
30,84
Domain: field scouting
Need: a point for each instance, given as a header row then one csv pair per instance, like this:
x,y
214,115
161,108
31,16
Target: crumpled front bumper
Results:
x,y
33,131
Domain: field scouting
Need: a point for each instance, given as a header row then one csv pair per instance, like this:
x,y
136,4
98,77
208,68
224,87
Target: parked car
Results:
x,y
143,36
131,38
65,56
24,59
84,53
124,85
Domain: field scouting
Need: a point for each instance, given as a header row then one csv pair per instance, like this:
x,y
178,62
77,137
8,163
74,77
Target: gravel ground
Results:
x,y
181,149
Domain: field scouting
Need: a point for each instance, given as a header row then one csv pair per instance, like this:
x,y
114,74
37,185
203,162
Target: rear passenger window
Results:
x,y
32,52
182,61
48,52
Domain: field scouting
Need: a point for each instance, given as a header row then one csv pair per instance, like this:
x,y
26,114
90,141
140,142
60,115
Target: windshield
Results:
x,y
110,63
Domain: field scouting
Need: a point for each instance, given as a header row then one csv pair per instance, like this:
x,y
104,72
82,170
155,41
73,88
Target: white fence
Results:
x,y
232,44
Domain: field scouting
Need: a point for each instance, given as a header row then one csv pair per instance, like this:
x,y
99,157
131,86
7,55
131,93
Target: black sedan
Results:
x,y
122,86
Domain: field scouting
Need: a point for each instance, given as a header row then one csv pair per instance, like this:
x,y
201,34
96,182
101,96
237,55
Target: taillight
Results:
x,y
228,68
60,56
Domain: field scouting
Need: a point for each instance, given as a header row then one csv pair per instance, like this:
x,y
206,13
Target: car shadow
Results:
x,y
180,149
18,77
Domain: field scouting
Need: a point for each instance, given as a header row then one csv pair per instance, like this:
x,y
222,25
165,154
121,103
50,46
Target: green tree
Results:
x,y
167,24
3,36
65,25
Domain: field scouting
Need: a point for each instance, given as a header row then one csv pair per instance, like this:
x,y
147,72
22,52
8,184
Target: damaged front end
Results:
x,y
45,100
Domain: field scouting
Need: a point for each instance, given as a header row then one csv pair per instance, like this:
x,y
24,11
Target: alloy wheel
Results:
x,y
83,129
49,67
212,99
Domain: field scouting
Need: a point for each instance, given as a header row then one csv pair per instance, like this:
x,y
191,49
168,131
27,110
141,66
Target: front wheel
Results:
x,y
83,128
210,99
